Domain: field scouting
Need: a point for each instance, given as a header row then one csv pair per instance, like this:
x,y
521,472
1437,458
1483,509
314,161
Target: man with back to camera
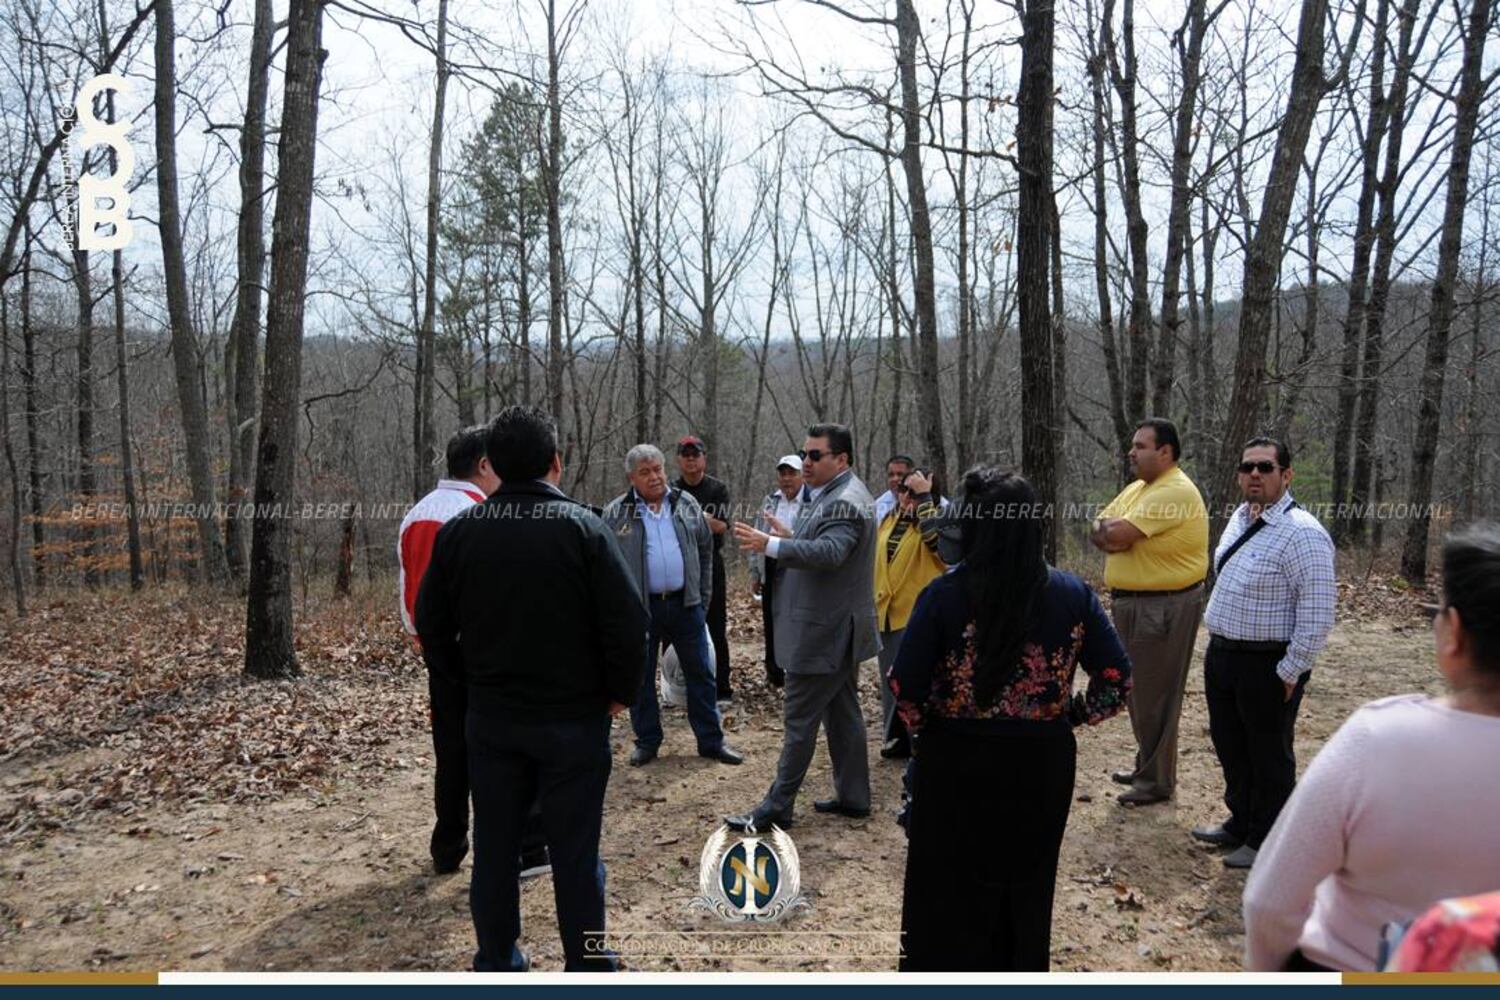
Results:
x,y
470,479
1155,539
667,544
825,628
713,496
528,602
1268,616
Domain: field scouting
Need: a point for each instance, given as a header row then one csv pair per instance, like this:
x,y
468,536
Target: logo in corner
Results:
x,y
754,878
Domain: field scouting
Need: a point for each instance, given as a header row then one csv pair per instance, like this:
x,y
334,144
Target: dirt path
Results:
x,y
333,876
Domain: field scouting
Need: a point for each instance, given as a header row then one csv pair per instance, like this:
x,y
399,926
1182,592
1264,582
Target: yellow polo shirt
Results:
x,y
1174,554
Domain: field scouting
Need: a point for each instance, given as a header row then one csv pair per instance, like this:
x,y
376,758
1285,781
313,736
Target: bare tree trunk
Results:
x,y
1210,369
270,652
1263,258
1139,334
84,292
1059,350
1359,274
1294,380
1473,415
929,403
1368,404
552,182
179,310
1101,245
1190,58
893,295
33,423
1033,218
1424,450
344,575
244,329
1195,445
127,461
427,338
17,583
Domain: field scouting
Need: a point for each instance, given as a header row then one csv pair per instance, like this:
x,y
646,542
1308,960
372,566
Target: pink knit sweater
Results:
x,y
1400,809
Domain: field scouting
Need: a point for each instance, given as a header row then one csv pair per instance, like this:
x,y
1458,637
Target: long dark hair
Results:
x,y
1000,526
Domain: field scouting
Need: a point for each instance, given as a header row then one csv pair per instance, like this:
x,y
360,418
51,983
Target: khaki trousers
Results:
x,y
1158,632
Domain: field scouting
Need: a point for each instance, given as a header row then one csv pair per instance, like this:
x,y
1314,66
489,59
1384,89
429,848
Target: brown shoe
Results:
x,y
1141,797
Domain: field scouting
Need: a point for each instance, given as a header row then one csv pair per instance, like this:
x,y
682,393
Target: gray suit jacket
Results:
x,y
824,601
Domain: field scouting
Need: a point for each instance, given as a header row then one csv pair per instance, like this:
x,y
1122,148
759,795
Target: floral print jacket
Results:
x,y
934,670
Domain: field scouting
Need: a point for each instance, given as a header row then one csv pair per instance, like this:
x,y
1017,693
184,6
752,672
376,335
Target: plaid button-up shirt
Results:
x,y
1279,587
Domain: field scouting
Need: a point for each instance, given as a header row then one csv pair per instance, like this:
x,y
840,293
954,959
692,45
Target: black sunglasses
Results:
x,y
1264,468
814,454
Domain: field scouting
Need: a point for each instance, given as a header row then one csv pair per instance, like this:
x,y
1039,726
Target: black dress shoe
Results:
x,y
724,755
837,808
1123,777
1135,797
447,862
761,821
1216,835
896,750
642,755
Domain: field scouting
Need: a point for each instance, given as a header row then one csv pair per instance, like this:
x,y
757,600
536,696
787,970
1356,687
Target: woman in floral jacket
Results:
x,y
984,682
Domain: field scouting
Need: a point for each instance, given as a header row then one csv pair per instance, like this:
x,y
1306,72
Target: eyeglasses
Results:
x,y
814,454
1264,468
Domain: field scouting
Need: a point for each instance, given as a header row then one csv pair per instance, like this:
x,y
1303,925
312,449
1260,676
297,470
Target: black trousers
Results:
x,y
990,802
774,673
450,786
718,620
1251,722
513,761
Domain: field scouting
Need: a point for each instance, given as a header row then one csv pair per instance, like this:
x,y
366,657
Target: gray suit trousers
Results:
x,y
833,700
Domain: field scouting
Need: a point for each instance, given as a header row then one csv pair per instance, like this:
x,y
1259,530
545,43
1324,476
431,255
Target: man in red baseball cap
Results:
x,y
713,496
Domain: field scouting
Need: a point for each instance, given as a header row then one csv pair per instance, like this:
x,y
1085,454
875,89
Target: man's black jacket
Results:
x,y
528,601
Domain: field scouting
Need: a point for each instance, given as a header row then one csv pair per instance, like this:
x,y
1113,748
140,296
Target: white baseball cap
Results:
x,y
795,461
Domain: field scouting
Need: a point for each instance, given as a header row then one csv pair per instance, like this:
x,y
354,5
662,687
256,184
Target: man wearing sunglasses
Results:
x,y
824,608
1269,614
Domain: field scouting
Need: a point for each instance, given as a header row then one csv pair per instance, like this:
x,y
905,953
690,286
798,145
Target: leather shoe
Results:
x,y
446,863
1242,857
1136,797
837,808
642,755
761,821
1123,777
1216,835
896,750
724,755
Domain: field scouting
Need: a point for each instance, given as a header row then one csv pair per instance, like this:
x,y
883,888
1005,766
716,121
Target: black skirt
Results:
x,y
990,802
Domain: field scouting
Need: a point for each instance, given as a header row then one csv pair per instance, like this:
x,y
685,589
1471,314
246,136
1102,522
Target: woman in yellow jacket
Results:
x,y
906,561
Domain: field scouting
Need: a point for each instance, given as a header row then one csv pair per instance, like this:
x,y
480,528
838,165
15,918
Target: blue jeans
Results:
x,y
566,764
682,628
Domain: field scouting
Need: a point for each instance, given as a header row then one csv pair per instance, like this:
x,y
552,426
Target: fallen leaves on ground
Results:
x,y
156,678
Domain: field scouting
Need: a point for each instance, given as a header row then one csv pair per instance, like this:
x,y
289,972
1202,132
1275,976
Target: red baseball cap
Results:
x,y
688,442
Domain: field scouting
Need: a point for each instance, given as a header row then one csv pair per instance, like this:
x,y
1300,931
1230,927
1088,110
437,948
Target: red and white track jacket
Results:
x,y
419,528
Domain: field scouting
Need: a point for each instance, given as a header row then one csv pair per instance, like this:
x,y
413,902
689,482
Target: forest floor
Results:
x,y
157,812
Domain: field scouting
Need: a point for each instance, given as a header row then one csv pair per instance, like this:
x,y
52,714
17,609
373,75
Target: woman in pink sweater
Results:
x,y
1398,809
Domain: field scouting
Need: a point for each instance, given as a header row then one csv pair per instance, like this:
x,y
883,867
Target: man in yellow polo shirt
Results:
x,y
1155,539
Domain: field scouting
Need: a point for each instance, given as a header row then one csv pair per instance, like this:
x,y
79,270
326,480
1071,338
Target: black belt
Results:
x,y
666,596
1154,593
1247,645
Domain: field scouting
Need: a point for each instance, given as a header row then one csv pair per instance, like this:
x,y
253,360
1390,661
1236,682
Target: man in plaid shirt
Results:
x,y
1269,614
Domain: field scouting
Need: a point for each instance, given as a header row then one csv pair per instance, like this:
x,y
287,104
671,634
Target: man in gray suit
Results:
x,y
824,607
